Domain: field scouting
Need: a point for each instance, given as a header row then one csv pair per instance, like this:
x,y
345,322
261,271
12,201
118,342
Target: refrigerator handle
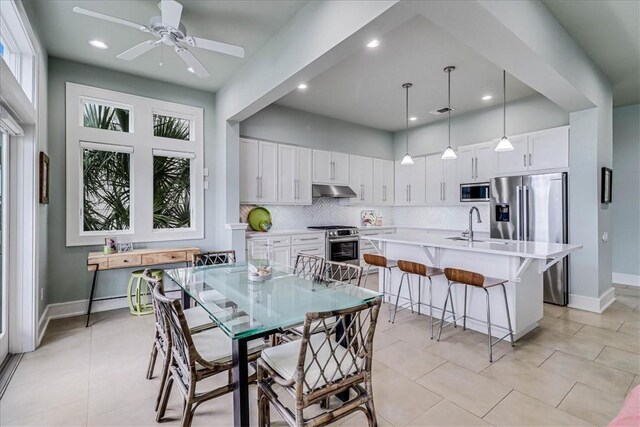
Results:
x,y
525,215
518,212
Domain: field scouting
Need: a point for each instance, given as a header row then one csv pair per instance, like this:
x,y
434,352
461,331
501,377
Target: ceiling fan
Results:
x,y
169,31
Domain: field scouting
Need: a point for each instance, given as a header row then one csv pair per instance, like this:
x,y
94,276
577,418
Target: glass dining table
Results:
x,y
247,310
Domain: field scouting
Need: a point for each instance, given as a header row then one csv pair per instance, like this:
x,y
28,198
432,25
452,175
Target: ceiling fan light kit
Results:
x,y
449,153
504,144
407,160
168,31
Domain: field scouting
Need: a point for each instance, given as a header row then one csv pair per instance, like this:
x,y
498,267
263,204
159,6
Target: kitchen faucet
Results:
x,y
470,236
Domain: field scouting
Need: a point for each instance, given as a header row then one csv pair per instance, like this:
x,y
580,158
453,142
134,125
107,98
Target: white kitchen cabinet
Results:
x,y
515,160
410,183
536,151
258,171
383,178
442,182
294,175
476,163
361,179
286,247
434,178
330,168
282,255
549,149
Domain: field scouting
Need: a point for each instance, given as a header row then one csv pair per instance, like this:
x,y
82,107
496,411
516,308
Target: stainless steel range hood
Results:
x,y
335,191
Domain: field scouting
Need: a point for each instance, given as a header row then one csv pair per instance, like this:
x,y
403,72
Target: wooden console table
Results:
x,y
98,261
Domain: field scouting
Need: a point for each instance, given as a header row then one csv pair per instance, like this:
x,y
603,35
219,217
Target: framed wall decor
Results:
x,y
44,178
606,185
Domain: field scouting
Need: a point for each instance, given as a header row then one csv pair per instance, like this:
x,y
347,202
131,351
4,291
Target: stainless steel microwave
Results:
x,y
475,192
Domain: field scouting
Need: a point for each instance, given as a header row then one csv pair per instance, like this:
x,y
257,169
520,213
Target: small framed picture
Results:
x,y
606,180
44,178
110,245
125,247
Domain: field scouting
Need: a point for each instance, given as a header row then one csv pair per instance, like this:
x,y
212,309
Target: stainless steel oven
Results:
x,y
342,243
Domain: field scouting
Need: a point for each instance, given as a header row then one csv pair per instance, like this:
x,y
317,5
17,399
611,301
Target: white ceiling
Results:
x,y
367,88
245,23
609,32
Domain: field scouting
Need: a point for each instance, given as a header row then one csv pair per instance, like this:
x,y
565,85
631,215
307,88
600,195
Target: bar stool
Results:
x,y
380,261
420,270
138,294
469,278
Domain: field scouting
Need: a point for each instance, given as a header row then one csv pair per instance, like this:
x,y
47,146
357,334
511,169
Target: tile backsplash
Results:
x,y
327,211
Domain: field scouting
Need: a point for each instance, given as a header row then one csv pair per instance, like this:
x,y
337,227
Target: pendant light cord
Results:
x,y
449,106
406,131
504,103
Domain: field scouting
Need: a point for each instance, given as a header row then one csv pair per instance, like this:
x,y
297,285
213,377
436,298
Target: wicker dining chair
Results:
x,y
308,266
331,358
195,358
342,272
214,258
197,319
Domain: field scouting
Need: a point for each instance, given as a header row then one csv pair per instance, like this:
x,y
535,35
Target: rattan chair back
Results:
x,y
214,258
308,267
342,272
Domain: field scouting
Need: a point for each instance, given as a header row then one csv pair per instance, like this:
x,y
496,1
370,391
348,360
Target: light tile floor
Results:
x,y
576,369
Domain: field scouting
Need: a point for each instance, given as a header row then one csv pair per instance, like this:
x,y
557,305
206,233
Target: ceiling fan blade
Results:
x,y
192,62
171,13
99,15
138,50
215,46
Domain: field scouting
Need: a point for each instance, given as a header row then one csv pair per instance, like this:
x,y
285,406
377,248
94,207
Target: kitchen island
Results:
x,y
523,263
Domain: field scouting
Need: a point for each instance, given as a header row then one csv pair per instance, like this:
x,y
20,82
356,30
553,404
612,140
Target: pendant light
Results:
x,y
504,144
407,160
449,154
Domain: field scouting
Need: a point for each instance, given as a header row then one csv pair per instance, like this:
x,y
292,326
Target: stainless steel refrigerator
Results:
x,y
534,208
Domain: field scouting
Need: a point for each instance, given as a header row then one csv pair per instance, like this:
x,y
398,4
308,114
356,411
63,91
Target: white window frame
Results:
x,y
142,144
19,51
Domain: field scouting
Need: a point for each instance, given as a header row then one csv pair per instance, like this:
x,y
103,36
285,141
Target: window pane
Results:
x,y
105,117
171,192
107,190
171,127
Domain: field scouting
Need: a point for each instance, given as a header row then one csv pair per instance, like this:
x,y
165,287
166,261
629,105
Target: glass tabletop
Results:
x,y
243,308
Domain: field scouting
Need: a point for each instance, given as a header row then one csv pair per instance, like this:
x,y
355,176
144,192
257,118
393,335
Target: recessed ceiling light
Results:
x,y
413,119
373,43
98,44
487,97
191,70
302,86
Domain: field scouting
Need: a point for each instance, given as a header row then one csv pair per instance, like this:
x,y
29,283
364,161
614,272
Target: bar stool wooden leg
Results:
x,y
489,327
506,304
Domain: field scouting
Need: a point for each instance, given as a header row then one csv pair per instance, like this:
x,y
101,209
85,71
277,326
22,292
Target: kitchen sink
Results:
x,y
462,239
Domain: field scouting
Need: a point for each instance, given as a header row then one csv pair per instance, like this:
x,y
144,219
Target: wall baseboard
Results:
x,y
595,305
75,308
626,279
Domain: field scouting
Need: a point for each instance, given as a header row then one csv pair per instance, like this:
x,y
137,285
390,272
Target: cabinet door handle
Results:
x,y
257,187
476,168
384,193
261,187
296,190
472,174
529,159
361,192
409,192
524,160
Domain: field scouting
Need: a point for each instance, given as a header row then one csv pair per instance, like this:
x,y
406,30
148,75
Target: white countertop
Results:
x,y
252,233
536,250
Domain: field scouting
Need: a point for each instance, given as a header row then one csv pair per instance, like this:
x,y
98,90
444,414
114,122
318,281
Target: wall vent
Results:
x,y
440,111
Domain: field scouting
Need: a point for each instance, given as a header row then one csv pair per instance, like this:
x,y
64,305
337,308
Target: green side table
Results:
x,y
138,293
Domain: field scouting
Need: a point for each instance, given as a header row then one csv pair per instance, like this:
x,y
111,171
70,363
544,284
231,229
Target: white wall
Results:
x,y
288,125
626,191
524,115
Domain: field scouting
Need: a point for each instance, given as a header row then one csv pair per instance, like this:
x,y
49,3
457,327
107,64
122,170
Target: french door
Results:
x,y
4,237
